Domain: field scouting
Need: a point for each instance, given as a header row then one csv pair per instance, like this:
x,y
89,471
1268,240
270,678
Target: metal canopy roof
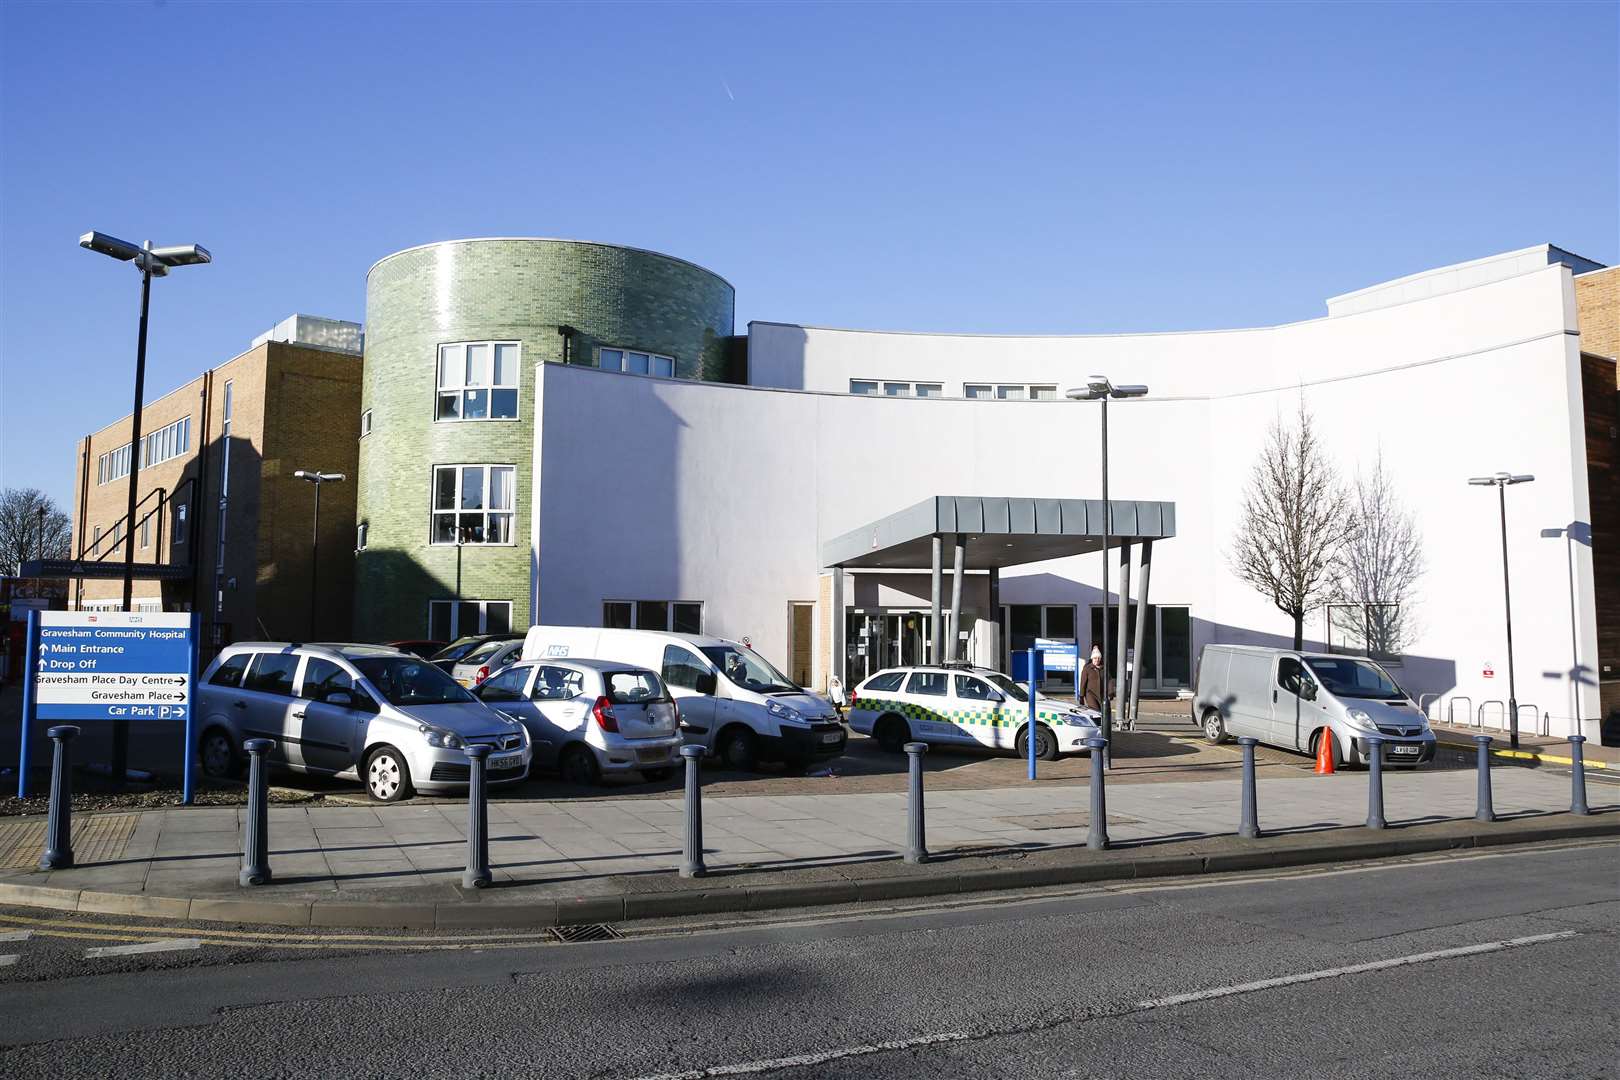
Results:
x,y
999,532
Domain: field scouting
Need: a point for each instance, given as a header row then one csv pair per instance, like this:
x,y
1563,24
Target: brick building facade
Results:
x,y
1597,300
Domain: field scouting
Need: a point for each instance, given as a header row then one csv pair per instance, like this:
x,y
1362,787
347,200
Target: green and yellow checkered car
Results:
x,y
964,706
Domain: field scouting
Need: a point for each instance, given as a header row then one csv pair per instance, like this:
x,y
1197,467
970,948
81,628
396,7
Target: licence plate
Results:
x,y
652,756
510,761
832,737
1405,749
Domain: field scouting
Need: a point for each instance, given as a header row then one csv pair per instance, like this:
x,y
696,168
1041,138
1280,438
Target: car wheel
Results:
x,y
657,776
1214,727
388,777
578,766
1046,747
219,754
892,733
737,749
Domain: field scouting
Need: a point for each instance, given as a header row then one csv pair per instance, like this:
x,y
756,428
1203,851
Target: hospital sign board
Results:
x,y
113,665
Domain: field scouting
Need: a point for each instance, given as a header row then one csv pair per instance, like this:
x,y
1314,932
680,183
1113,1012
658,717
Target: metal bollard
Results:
x,y
59,825
1097,837
916,840
256,839
1484,811
1249,826
692,851
1375,782
477,875
1577,776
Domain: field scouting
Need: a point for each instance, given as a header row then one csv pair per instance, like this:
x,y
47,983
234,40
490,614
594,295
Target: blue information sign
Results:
x,y
109,665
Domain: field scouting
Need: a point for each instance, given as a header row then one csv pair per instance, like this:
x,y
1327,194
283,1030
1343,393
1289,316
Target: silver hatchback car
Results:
x,y
591,717
387,718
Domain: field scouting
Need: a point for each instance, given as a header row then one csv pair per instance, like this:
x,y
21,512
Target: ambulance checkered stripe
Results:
x,y
982,716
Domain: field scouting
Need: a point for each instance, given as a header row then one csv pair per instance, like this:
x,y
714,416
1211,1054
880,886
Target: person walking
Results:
x,y
1092,681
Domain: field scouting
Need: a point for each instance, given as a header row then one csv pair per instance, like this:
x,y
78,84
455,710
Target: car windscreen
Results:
x,y
1355,678
410,680
1008,687
483,653
634,687
747,669
457,649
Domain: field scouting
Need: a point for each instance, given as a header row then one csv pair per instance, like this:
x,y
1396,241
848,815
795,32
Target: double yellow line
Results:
x,y
131,932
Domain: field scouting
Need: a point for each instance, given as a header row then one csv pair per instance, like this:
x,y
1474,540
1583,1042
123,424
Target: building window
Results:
x,y
977,390
451,619
95,548
896,389
365,423
680,616
636,363
1010,393
146,532
930,389
179,525
166,442
1043,393
360,531
113,465
862,386
478,380
472,504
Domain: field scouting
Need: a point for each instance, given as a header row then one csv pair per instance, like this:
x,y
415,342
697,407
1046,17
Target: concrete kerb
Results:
x,y
490,911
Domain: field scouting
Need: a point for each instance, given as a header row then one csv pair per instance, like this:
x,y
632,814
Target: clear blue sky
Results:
x,y
999,168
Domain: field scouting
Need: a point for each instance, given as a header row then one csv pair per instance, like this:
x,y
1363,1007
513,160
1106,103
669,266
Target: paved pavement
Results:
x,y
546,850
1466,965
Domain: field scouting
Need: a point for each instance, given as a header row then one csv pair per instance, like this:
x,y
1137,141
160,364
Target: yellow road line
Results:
x,y
471,939
1531,755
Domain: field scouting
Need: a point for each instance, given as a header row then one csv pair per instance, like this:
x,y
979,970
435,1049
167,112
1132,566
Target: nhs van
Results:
x,y
732,701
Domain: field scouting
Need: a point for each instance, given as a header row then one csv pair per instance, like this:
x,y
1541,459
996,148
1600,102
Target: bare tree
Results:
x,y
1379,566
21,525
1296,518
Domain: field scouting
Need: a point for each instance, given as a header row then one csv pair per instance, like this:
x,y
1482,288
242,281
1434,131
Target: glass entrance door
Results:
x,y
1166,663
878,638
1026,622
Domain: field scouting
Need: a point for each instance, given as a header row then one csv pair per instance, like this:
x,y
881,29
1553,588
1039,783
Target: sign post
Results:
x,y
109,665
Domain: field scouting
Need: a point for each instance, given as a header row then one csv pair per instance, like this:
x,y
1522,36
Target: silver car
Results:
x,y
485,660
387,718
591,717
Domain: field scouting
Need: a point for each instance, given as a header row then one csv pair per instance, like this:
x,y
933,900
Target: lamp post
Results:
x,y
1099,389
151,262
1502,481
316,478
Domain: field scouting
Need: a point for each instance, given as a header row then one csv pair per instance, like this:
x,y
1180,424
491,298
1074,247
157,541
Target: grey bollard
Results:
x,y
1249,825
256,830
477,875
1097,836
1484,811
1375,782
916,840
1577,776
692,849
59,825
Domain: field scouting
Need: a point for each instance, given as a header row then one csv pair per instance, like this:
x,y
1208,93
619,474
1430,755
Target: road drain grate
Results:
x,y
585,932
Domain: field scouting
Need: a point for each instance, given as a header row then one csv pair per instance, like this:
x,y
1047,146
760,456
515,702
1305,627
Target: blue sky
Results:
x,y
996,169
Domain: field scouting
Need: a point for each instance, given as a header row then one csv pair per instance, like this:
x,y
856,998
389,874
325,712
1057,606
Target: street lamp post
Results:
x,y
151,262
1502,481
1099,389
316,478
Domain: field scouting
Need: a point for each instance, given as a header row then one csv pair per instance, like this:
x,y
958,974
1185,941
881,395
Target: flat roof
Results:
x,y
999,531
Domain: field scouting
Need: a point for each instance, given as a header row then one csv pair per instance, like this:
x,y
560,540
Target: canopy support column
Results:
x,y
959,556
1144,566
1124,626
935,638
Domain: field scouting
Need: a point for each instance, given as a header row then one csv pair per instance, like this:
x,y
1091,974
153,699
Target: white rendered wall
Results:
x,y
663,489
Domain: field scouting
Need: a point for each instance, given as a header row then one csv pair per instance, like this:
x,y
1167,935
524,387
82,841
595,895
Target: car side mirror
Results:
x,y
1307,690
707,683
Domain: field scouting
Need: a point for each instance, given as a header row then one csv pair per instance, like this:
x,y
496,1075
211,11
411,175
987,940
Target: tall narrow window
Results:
x,y
473,504
478,380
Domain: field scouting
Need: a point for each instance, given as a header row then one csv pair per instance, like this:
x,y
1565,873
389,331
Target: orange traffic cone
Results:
x,y
1324,754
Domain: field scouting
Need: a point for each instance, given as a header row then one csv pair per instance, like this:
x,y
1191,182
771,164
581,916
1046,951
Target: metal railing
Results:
x,y
1451,711
1501,708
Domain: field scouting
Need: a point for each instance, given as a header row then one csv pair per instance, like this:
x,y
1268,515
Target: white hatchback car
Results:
x,y
964,706
590,717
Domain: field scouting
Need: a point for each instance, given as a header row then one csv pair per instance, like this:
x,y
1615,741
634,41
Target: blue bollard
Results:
x,y
1032,728
1483,811
59,825
1375,782
1249,826
1097,836
692,850
1577,776
477,875
256,829
916,840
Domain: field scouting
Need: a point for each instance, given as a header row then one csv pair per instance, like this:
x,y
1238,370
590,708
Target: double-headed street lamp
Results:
x,y
151,262
1502,481
1098,388
316,478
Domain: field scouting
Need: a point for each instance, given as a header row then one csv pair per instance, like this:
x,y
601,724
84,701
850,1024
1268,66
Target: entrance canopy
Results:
x,y
997,532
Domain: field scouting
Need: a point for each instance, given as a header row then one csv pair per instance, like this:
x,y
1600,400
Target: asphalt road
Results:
x,y
1478,965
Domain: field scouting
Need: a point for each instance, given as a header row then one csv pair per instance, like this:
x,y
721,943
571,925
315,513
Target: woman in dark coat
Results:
x,y
1091,682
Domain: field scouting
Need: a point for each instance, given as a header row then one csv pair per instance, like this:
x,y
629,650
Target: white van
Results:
x,y
1288,699
732,701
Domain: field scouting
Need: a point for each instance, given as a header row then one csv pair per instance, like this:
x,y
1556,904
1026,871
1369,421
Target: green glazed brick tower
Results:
x,y
454,331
